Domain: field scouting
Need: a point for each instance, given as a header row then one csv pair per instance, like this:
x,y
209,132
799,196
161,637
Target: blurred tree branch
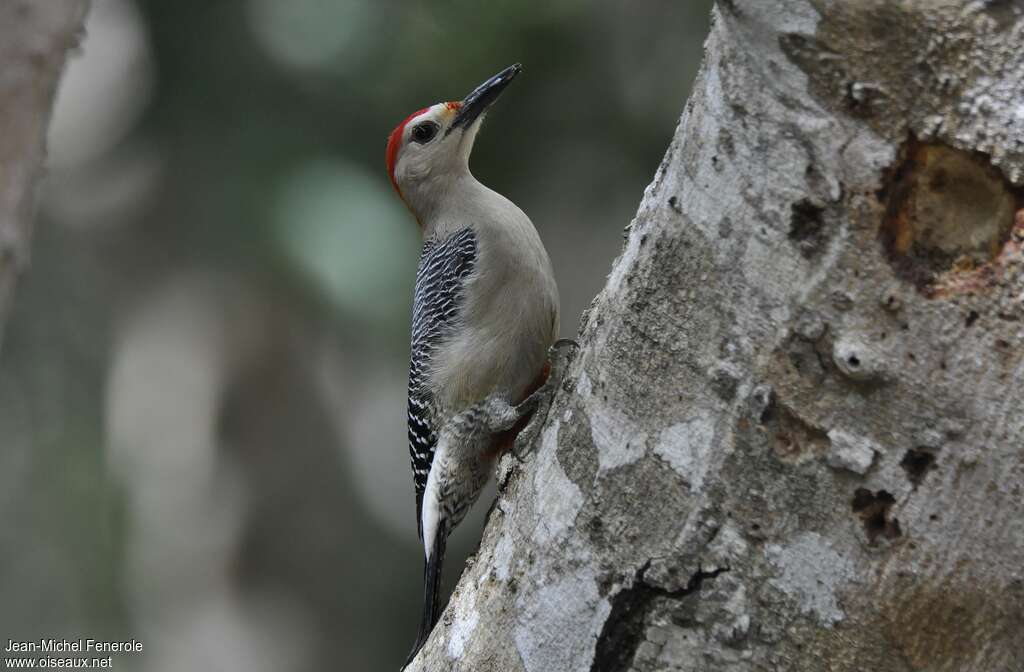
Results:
x,y
35,38
792,438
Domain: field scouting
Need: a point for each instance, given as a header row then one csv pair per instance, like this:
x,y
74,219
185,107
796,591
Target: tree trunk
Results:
x,y
35,37
793,438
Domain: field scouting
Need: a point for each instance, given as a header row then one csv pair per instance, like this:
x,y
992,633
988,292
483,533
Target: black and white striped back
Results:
x,y
440,279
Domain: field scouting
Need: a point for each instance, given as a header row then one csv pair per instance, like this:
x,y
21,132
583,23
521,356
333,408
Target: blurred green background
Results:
x,y
202,440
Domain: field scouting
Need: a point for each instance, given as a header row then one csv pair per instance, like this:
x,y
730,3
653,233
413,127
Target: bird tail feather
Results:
x,y
431,592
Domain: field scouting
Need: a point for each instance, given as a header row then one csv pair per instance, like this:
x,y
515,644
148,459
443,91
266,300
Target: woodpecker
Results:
x,y
485,314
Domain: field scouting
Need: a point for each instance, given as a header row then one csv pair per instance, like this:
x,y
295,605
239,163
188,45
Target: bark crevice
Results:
x,y
624,629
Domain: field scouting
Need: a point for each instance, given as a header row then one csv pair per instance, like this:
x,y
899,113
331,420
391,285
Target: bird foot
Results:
x,y
559,355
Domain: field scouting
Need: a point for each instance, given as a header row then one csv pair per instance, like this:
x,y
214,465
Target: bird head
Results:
x,y
432,146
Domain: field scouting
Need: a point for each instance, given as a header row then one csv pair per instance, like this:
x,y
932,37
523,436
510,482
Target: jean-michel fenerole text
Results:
x,y
73,645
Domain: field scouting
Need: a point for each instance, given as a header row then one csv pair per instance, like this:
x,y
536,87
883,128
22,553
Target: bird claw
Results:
x,y
559,355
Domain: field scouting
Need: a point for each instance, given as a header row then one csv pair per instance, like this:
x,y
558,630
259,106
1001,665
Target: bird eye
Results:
x,y
424,133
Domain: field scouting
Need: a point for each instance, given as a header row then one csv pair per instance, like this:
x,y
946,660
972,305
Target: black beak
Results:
x,y
482,96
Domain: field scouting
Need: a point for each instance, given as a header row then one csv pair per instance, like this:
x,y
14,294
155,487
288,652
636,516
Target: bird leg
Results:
x,y
559,356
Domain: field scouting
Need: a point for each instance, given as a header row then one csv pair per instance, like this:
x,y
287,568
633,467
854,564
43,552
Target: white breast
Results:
x,y
510,315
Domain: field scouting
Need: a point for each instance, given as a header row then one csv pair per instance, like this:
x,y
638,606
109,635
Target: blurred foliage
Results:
x,y
244,141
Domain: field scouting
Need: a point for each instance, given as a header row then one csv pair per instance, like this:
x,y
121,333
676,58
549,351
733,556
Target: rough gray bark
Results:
x,y
35,37
793,437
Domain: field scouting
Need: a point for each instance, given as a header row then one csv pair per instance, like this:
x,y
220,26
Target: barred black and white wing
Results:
x,y
440,279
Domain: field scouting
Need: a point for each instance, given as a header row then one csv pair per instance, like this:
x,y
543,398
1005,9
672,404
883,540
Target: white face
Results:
x,y
428,154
